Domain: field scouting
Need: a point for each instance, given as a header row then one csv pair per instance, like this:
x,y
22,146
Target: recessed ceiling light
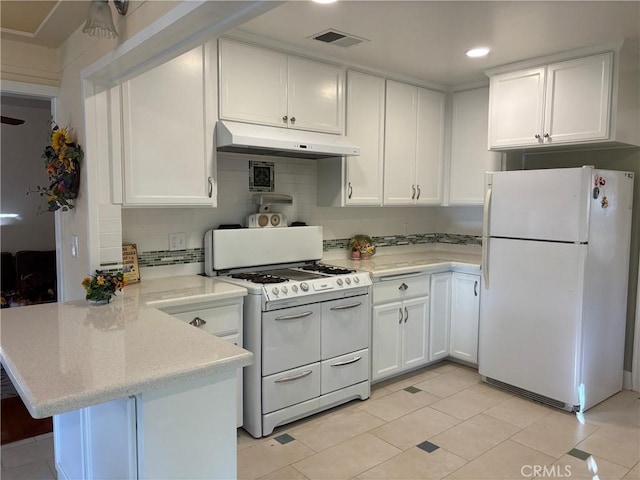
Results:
x,y
478,52
325,1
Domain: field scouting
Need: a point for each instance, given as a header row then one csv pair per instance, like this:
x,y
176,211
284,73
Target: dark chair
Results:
x,y
36,275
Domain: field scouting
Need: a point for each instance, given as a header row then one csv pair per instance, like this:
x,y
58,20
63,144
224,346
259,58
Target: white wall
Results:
x,y
22,169
24,62
149,228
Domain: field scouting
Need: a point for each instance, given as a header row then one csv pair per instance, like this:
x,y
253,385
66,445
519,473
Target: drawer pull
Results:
x,y
294,377
346,307
400,315
406,314
296,316
403,287
197,322
347,362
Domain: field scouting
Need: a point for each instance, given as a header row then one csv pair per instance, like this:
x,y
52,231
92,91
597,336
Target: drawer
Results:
x,y
288,388
290,338
221,321
399,287
345,326
345,370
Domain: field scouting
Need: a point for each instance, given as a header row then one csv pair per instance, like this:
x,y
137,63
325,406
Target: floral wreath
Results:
x,y
62,160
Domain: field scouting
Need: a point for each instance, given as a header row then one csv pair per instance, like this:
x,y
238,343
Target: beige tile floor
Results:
x,y
473,431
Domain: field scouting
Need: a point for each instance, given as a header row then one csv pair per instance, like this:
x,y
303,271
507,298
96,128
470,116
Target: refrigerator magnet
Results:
x,y
604,202
596,192
602,181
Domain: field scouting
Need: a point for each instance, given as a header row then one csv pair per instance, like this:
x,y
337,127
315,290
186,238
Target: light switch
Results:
x,y
177,241
74,246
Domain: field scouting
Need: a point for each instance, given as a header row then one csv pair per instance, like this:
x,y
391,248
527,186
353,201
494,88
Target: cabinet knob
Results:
x,y
418,197
293,120
197,322
537,136
285,118
403,287
350,190
546,135
413,196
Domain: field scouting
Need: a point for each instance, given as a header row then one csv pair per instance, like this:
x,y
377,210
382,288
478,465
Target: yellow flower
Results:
x,y
100,280
60,138
86,283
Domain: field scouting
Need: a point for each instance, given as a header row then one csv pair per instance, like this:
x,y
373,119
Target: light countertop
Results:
x,y
396,261
62,357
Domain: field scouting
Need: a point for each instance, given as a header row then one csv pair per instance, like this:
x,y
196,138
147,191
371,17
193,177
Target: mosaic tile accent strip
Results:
x,y
410,239
157,258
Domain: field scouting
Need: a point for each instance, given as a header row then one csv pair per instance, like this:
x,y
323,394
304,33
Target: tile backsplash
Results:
x,y
149,228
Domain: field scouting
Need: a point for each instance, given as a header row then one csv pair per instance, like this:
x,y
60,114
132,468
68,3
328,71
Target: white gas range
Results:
x,y
307,324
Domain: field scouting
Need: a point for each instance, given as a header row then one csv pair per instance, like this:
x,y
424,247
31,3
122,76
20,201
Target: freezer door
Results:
x,y
547,204
530,317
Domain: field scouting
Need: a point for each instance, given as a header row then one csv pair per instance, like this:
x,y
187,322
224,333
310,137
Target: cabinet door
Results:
x,y
400,144
416,332
578,99
315,96
386,340
465,312
439,315
168,119
470,158
429,147
365,127
516,108
253,84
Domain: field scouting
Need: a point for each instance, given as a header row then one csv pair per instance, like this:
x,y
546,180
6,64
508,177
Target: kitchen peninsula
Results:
x,y
134,392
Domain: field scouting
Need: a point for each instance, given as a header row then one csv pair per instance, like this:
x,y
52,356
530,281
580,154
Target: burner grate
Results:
x,y
327,269
259,277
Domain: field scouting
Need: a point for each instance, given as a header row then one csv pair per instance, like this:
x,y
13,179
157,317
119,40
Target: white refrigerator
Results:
x,y
555,270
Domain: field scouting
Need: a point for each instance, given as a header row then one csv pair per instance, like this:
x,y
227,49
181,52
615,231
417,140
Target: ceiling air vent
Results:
x,y
335,37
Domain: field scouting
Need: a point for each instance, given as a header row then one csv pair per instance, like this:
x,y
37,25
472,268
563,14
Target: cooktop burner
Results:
x,y
259,277
327,269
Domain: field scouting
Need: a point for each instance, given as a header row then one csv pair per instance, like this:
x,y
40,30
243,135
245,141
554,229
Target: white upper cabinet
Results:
x,y
259,85
591,99
414,127
365,128
470,158
169,113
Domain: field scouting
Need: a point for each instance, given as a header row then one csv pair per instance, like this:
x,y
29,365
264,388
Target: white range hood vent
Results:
x,y
281,142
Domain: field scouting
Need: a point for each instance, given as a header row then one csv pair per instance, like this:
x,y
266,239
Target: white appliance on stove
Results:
x,y
307,324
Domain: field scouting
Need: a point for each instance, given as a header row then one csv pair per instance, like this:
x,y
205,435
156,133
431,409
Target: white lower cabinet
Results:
x,y
400,328
465,314
222,318
440,316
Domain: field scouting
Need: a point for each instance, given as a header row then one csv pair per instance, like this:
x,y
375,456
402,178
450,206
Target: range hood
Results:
x,y
282,142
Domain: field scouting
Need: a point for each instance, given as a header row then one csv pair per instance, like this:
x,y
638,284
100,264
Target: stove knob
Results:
x,y
304,286
356,279
275,290
339,281
348,280
285,290
294,288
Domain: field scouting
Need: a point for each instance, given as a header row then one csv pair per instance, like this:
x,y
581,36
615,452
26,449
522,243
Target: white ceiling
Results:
x,y
427,39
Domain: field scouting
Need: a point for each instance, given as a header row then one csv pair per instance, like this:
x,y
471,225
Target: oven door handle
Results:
x,y
346,307
347,362
296,316
294,377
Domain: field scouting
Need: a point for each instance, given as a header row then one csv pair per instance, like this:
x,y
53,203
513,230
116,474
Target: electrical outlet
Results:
x,y
177,241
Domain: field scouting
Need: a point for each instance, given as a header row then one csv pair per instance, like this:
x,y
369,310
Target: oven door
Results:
x,y
345,326
290,338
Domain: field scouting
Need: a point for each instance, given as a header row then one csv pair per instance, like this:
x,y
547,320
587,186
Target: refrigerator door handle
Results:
x,y
485,230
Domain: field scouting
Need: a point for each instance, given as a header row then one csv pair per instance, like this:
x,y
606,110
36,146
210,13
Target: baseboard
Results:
x,y
627,382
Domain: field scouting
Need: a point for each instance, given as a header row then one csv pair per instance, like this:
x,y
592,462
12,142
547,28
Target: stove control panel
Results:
x,y
295,289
